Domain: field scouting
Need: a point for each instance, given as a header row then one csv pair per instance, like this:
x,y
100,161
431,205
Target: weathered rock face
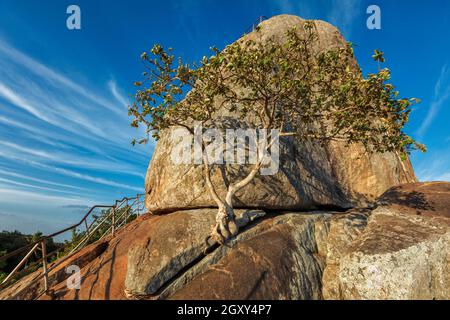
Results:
x,y
403,253
334,237
276,259
309,175
400,250
178,239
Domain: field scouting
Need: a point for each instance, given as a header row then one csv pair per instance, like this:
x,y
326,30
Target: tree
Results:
x,y
289,87
11,241
3,274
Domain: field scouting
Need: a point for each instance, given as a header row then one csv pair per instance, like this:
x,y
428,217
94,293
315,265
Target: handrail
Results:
x,y
118,205
255,24
22,262
13,253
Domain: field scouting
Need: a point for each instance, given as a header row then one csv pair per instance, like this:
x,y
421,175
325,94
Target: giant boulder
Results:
x,y
336,175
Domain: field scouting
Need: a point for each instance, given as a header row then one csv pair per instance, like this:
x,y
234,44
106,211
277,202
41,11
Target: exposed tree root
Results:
x,y
225,227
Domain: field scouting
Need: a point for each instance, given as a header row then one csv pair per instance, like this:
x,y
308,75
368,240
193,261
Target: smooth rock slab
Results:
x,y
177,240
276,259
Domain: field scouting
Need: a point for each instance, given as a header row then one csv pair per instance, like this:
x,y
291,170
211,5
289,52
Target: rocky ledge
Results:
x,y
398,250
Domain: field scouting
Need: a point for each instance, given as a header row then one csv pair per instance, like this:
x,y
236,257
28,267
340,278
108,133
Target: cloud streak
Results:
x,y
24,177
28,185
62,136
440,96
115,91
54,76
18,101
343,13
74,174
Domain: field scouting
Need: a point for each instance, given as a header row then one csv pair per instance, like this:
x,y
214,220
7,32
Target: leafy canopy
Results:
x,y
292,87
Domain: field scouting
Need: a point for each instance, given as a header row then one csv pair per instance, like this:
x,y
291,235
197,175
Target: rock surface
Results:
x,y
400,250
276,259
310,176
104,277
334,237
178,239
402,253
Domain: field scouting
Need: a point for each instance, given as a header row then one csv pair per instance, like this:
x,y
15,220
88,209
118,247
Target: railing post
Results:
x,y
113,227
44,265
127,214
138,204
87,227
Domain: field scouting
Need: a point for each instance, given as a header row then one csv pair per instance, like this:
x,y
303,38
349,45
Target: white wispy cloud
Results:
x,y
71,173
43,107
33,151
28,185
433,165
9,195
20,102
77,139
59,101
34,132
58,123
67,159
64,137
112,85
25,177
57,78
440,97
97,180
343,13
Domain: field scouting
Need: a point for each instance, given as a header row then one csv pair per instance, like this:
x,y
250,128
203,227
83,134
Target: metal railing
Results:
x,y
256,23
112,218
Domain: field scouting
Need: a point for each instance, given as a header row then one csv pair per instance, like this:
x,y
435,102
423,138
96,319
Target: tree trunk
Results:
x,y
226,226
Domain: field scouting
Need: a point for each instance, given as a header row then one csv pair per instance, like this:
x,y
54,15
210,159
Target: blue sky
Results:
x,y
64,131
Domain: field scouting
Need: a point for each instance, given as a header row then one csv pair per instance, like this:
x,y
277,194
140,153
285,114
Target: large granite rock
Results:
x,y
334,238
402,253
276,259
309,175
177,240
400,250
